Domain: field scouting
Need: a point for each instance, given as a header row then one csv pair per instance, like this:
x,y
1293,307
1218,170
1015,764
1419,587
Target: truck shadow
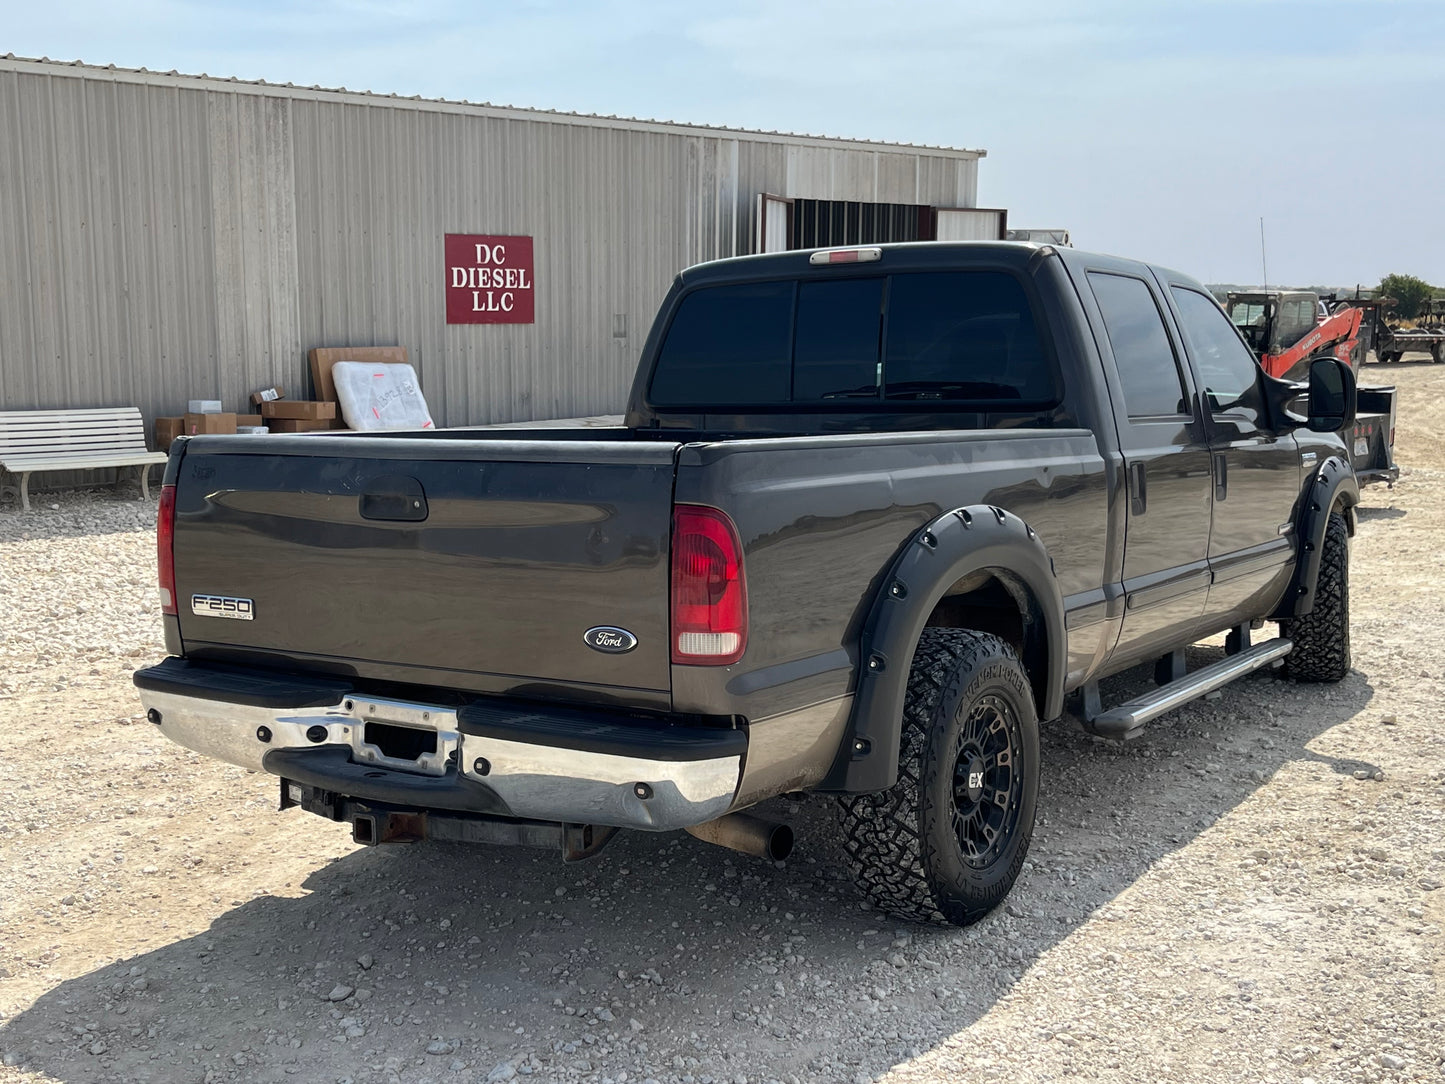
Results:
x,y
483,956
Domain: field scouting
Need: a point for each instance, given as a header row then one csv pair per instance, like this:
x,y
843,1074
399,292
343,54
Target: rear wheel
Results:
x,y
946,842
1322,636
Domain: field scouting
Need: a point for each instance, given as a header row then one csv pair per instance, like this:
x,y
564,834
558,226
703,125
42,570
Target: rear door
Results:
x,y
1256,472
460,563
1166,567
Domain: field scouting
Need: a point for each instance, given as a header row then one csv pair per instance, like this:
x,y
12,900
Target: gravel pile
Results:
x,y
1252,891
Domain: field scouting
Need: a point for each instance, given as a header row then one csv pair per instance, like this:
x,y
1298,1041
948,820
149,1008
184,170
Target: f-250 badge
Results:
x,y
609,640
237,609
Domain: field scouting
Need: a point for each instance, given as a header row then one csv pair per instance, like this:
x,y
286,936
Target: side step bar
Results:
x,y
1128,719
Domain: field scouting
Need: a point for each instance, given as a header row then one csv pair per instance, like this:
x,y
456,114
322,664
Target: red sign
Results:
x,y
489,279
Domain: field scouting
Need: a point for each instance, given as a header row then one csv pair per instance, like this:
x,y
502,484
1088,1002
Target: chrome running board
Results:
x,y
1128,719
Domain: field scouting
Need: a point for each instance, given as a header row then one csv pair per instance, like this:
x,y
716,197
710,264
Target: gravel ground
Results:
x,y
1249,892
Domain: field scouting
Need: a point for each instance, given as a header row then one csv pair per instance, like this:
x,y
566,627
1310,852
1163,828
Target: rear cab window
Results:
x,y
887,341
728,337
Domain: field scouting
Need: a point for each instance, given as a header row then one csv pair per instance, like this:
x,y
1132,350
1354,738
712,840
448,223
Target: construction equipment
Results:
x,y
1283,328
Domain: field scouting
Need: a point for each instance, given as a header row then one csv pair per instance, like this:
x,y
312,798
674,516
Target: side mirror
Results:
x,y
1332,395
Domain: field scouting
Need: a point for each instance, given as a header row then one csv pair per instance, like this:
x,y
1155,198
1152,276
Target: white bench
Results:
x,y
41,440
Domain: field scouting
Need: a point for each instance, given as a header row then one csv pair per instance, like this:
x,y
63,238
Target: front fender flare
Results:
x,y
952,546
1333,485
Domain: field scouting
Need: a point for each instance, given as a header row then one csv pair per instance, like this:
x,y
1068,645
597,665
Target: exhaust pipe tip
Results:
x,y
780,842
747,835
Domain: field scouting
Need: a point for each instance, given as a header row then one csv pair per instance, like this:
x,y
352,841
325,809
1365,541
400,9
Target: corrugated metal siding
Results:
x,y
168,238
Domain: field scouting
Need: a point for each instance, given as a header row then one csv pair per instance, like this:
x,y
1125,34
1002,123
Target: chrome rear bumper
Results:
x,y
563,766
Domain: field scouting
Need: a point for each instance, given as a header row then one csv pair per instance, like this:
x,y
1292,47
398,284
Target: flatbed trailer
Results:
x,y
1391,343
1395,343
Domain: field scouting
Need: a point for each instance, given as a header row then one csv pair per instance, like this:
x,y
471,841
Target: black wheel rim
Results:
x,y
987,782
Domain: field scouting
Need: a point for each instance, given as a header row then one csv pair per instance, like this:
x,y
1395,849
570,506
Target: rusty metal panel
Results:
x,y
172,237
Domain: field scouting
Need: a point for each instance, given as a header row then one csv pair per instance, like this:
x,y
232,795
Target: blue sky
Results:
x,y
1150,128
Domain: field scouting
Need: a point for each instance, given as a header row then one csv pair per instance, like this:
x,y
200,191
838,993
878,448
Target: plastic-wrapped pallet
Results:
x,y
380,396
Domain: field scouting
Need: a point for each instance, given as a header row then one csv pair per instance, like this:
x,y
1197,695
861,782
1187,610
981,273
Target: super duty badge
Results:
x,y
237,609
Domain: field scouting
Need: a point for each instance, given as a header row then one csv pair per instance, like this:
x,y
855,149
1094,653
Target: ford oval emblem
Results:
x,y
611,640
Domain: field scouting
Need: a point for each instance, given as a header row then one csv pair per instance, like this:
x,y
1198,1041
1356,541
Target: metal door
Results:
x,y
1255,472
1167,465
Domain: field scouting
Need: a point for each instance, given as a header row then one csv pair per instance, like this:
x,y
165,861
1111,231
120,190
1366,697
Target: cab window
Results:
x,y
1148,369
867,341
1225,366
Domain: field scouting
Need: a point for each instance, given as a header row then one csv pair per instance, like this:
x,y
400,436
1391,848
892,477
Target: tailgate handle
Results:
x,y
396,497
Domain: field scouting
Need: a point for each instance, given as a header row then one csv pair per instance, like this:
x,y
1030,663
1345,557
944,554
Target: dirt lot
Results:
x,y
1250,892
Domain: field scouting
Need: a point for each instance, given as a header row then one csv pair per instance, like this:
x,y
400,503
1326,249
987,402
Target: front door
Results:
x,y
1256,473
1167,467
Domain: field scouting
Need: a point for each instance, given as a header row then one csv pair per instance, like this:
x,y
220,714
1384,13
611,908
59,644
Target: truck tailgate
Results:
x,y
475,564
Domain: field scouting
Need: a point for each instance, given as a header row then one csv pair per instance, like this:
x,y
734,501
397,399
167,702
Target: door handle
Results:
x,y
1138,493
394,497
1221,476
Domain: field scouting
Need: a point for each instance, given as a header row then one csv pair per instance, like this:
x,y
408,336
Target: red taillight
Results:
x,y
165,549
709,592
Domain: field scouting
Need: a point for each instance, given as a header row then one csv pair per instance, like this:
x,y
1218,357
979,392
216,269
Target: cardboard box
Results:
x,y
208,423
324,357
249,419
308,409
266,395
298,425
167,430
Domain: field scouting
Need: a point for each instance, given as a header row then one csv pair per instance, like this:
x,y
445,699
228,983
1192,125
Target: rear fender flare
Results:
x,y
1333,487
952,546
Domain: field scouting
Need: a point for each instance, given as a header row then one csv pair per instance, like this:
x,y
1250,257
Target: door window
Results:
x,y
1225,366
1296,320
1147,366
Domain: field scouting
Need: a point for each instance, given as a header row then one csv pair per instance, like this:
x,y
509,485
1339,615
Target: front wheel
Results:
x,y
946,842
1322,637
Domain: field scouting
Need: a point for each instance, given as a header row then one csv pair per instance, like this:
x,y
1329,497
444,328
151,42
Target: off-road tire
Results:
x,y
1322,636
907,843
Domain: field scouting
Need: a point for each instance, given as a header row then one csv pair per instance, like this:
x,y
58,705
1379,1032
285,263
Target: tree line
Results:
x,y
1410,294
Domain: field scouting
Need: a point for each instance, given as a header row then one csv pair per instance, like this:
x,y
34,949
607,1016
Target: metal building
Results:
x,y
166,237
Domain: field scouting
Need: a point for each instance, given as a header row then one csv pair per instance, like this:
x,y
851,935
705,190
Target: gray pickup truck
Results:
x,y
873,514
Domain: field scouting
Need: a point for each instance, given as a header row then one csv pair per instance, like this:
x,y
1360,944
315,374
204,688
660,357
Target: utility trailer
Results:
x,y
1391,342
1427,336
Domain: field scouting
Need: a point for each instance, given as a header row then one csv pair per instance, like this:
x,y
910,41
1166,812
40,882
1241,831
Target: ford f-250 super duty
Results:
x,y
873,513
